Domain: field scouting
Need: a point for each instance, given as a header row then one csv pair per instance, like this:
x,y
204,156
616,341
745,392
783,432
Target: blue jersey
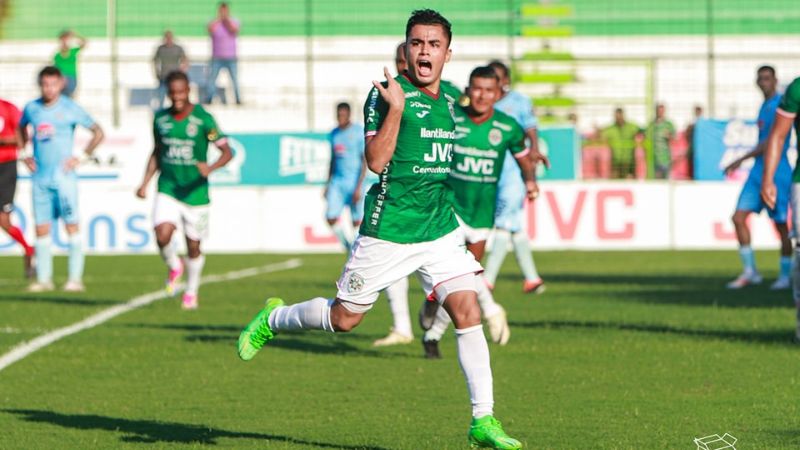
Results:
x,y
520,107
347,147
766,116
53,129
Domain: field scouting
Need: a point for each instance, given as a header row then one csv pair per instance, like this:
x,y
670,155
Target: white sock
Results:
x,y
342,235
796,277
314,314
397,294
497,255
485,298
522,250
440,324
194,267
473,356
170,256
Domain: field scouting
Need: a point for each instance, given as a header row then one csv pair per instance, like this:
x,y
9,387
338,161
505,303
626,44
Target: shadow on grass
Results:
x,y
310,342
56,300
772,337
671,289
153,431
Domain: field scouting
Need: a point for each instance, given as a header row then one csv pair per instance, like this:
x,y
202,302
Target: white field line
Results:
x,y
26,348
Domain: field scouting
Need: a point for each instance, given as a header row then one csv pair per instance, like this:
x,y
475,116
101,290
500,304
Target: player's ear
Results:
x,y
447,56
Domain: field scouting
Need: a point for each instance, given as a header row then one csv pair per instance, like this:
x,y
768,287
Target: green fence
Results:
x,y
43,19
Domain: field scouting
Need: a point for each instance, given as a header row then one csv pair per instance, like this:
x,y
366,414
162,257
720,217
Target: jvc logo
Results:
x,y
440,152
179,152
476,165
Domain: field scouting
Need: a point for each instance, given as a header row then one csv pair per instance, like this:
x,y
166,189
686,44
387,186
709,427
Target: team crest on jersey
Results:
x,y
191,130
213,135
355,283
495,137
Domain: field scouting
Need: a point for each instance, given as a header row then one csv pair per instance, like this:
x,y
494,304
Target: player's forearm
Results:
x,y
150,170
380,148
527,168
772,151
97,138
533,135
224,158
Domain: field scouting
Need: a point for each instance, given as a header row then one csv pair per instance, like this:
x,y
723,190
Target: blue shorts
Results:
x,y
55,199
509,212
750,199
340,196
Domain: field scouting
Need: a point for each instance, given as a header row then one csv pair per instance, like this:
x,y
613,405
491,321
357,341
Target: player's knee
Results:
x,y
738,219
344,320
332,222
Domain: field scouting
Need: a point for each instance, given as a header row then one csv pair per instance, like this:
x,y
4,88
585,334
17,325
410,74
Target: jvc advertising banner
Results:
x,y
293,159
718,143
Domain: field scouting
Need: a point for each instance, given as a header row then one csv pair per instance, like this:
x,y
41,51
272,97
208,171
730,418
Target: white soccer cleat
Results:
x,y
393,338
744,280
41,287
498,328
782,283
74,286
189,302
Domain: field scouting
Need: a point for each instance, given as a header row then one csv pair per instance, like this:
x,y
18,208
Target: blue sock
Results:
x,y
44,259
748,259
75,269
786,266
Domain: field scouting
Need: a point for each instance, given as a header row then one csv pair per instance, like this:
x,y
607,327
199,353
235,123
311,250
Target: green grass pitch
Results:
x,y
625,350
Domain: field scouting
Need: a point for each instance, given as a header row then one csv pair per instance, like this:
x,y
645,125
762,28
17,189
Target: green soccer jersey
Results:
x,y
451,92
180,145
790,105
478,162
412,201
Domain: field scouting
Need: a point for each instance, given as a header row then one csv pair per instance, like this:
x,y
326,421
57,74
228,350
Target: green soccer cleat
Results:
x,y
257,332
486,432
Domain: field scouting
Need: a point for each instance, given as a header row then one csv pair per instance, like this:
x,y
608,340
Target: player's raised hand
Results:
x,y
205,171
393,94
142,191
769,193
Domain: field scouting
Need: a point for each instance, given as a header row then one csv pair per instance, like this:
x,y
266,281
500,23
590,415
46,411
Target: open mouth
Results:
x,y
424,68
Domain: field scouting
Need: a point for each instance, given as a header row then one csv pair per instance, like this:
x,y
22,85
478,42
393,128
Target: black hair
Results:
x,y
497,64
483,72
49,71
766,68
429,17
176,75
343,105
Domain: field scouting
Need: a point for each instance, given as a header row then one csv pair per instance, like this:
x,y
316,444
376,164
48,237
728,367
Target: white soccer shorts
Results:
x,y
375,264
473,235
194,219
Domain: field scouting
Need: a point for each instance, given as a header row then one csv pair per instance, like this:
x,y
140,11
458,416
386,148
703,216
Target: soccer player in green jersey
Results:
x,y
409,225
785,117
182,134
483,135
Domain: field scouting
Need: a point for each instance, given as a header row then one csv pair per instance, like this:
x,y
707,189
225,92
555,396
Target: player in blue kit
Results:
x,y
750,199
511,193
346,175
52,119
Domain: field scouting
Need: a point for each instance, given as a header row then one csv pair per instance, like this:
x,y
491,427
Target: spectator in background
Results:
x,y
660,134
400,58
223,31
66,59
698,114
169,57
621,138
